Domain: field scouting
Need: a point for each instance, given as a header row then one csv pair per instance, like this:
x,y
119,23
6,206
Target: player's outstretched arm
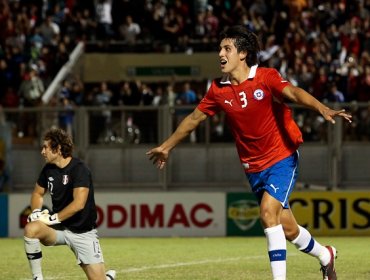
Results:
x,y
302,97
159,155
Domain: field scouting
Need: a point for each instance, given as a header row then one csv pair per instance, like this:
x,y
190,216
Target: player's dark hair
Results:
x,y
244,40
58,137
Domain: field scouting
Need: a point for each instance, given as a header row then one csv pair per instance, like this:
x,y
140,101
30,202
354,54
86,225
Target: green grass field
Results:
x,y
189,259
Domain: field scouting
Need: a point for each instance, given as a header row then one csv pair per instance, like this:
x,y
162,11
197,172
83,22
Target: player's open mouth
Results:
x,y
223,61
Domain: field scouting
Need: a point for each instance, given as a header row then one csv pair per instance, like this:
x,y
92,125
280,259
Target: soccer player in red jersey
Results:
x,y
267,139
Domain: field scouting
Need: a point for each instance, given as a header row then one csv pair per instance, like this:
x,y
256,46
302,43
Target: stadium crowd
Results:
x,y
322,46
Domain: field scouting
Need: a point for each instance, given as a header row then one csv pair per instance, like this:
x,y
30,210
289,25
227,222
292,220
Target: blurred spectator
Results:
x,y
187,96
159,96
305,78
16,61
61,57
30,93
96,120
59,11
146,93
104,96
364,85
200,5
83,25
36,43
10,98
104,19
128,94
211,23
158,11
147,120
362,125
103,99
45,65
238,9
334,94
5,151
5,14
31,88
49,30
164,95
173,25
200,29
320,84
65,90
65,117
6,75
129,30
258,7
269,50
77,91
181,7
217,128
170,95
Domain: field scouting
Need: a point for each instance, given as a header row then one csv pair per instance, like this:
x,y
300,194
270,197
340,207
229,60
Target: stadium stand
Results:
x,y
311,42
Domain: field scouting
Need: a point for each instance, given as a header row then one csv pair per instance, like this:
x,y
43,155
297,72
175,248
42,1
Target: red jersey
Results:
x,y
262,125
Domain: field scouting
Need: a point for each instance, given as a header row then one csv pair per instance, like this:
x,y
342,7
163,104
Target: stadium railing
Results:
x,y
113,141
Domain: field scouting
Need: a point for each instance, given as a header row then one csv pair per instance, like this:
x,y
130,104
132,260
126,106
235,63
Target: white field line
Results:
x,y
165,266
172,265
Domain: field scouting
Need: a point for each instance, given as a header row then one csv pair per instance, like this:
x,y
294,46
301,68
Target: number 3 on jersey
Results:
x,y
243,99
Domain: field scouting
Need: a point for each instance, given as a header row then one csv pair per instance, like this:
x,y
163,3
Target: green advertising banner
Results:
x,y
242,214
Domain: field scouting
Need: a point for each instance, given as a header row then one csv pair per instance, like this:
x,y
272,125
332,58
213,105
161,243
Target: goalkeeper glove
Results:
x,y
48,219
34,216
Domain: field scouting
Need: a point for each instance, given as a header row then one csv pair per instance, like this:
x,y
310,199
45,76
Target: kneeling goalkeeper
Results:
x,y
73,221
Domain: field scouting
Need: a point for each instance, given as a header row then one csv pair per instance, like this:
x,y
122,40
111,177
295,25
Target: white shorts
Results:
x,y
85,246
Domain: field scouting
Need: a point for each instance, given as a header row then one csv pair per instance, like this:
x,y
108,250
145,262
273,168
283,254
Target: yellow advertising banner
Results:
x,y
333,213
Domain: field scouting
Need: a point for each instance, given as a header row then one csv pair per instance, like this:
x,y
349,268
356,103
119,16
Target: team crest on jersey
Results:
x,y
258,94
65,179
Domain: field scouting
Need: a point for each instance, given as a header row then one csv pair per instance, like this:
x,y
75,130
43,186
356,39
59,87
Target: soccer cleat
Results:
x,y
328,271
110,274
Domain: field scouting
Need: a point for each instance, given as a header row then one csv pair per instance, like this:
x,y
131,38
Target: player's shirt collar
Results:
x,y
252,73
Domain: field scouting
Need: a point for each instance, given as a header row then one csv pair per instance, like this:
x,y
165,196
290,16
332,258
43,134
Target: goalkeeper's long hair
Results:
x,y
58,137
245,41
